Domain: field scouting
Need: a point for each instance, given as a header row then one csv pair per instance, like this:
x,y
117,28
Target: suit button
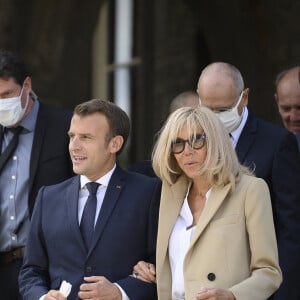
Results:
x,y
211,276
88,269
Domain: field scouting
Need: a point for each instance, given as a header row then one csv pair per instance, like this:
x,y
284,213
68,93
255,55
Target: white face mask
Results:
x,y
11,111
231,118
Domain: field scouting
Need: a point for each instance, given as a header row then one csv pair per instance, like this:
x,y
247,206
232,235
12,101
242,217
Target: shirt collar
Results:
x,y
235,135
104,180
30,120
185,212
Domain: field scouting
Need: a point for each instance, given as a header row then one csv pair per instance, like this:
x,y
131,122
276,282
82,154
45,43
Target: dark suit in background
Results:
x,y
273,152
143,167
50,160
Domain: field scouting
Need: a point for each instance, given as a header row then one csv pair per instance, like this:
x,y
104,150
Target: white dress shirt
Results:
x,y
179,243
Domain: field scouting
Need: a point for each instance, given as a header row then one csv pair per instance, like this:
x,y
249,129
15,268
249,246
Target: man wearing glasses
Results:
x,y
270,151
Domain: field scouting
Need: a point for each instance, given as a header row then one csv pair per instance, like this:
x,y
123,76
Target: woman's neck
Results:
x,y
197,199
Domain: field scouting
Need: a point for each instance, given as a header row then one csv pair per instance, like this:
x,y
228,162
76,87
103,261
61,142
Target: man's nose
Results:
x,y
74,143
295,114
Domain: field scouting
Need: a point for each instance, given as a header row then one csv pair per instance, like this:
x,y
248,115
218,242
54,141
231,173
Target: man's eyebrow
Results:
x,y
8,91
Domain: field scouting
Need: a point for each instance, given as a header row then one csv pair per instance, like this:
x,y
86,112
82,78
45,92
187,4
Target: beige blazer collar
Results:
x,y
171,203
172,198
215,200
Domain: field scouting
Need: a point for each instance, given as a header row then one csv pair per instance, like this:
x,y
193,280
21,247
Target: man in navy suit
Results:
x,y
40,158
125,222
271,151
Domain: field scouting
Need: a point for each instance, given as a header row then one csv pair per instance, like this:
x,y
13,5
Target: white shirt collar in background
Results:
x,y
235,135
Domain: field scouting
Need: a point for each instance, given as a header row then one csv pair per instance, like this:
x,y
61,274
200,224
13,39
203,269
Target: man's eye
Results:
x,y
87,137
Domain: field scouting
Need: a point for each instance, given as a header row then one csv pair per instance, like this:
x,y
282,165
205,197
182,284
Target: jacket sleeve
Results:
x,y
135,288
265,275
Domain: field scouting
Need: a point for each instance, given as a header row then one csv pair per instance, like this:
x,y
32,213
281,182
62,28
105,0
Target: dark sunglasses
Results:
x,y
195,142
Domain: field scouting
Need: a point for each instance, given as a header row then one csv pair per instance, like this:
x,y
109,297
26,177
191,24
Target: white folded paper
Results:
x,y
65,288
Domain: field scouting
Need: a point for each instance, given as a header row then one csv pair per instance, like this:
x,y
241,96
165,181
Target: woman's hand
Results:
x,y
214,294
144,271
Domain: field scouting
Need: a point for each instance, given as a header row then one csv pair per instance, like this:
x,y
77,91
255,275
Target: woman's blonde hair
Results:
x,y
221,165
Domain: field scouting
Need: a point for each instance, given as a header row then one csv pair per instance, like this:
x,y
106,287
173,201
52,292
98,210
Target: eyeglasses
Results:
x,y
226,109
195,142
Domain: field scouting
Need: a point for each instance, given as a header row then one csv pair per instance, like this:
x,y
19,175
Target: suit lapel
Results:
x,y
170,206
39,134
1,138
247,138
213,204
115,186
170,209
71,193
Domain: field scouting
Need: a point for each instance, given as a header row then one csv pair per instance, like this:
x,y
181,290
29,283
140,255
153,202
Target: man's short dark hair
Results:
x,y
11,66
117,119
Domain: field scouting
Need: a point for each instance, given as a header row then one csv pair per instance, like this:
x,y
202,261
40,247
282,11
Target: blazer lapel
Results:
x,y
71,194
247,138
168,214
38,139
115,186
1,138
214,202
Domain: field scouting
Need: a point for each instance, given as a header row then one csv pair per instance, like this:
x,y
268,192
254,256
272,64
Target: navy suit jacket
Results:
x,y
125,233
273,152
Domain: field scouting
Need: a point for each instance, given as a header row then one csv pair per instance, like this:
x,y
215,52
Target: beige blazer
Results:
x,y
234,244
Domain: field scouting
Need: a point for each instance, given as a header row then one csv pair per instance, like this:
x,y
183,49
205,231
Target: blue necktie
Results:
x,y
88,215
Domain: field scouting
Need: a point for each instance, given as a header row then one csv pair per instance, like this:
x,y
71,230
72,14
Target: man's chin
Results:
x,y
294,129
77,170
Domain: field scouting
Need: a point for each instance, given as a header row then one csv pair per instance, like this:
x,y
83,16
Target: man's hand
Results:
x,y
99,288
214,294
54,295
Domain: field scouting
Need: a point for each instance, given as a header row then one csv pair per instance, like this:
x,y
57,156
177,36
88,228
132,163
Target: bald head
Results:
x,y
185,99
287,97
220,74
220,85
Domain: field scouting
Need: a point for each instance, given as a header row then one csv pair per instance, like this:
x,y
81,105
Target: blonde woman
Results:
x,y
216,237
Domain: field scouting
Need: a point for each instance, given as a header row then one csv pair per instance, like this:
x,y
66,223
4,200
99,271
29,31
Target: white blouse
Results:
x,y
179,243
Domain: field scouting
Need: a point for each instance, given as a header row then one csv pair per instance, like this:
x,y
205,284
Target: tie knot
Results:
x,y
92,187
14,130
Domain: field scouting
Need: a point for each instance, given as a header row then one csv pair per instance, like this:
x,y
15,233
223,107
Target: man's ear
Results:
x,y
116,143
245,96
27,84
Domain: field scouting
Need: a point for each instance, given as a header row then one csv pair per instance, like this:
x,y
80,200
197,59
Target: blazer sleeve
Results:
x,y
265,275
